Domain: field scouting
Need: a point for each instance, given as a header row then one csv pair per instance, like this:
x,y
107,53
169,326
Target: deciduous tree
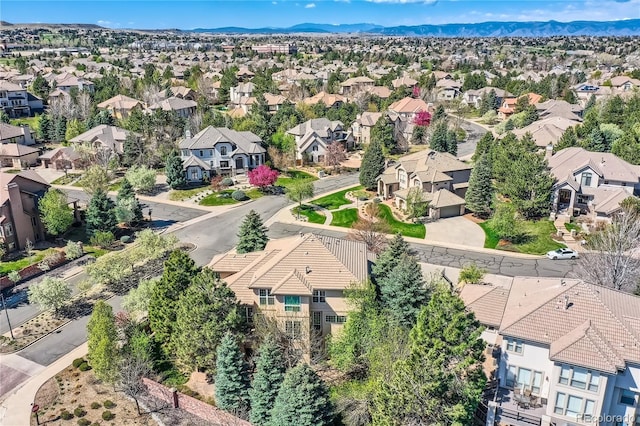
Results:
x,y
102,340
95,178
371,230
300,191
55,212
335,154
50,293
262,176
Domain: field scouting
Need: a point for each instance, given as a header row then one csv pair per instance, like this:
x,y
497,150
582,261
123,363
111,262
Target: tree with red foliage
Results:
x,y
263,176
422,118
416,91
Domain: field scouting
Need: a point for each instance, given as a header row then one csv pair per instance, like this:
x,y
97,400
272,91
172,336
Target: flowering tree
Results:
x,y
263,176
416,91
422,118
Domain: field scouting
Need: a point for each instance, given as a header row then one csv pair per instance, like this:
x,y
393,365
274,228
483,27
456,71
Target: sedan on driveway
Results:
x,y
562,253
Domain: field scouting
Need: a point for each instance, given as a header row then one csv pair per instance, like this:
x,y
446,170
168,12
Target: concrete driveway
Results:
x,y
455,230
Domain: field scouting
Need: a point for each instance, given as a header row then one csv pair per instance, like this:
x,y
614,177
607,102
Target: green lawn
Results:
x,y
572,226
183,194
335,200
66,180
286,179
32,122
310,213
416,230
16,265
537,238
215,200
344,218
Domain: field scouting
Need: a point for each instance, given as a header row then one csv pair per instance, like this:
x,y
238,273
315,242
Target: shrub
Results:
x,y
65,415
79,412
95,405
471,274
84,367
84,422
239,195
227,182
224,195
102,239
73,250
125,239
77,362
216,183
107,415
109,404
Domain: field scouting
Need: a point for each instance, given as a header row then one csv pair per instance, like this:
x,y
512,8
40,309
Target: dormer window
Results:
x,y
315,148
586,179
223,150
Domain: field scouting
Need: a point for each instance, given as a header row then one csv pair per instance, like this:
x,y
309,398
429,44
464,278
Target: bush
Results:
x,y
239,195
125,239
471,274
84,367
224,195
84,422
80,412
77,362
109,404
96,405
107,415
65,415
227,182
102,239
377,200
73,250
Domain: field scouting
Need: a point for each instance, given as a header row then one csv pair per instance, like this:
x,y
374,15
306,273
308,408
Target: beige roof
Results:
x,y
369,119
233,262
546,131
356,80
8,131
379,91
274,99
329,99
444,198
173,104
15,150
404,81
486,302
570,160
408,105
120,102
429,160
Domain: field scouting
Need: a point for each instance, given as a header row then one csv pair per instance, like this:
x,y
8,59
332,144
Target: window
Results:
x,y
586,179
580,378
224,164
315,148
248,314
316,320
627,397
335,319
319,296
8,230
194,174
524,378
514,345
574,406
292,303
265,297
223,150
201,153
293,329
582,199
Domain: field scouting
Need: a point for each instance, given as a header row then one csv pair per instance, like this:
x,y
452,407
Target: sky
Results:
x,y
159,14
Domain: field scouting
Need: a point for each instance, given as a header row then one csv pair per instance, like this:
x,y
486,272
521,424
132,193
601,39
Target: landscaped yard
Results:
x,y
416,230
572,227
16,265
216,200
335,200
66,180
344,218
183,194
537,239
286,179
310,213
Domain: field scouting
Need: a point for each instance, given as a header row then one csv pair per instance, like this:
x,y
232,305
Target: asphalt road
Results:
x,y
474,134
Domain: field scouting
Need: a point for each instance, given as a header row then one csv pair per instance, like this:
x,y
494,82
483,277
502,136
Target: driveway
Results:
x,y
456,230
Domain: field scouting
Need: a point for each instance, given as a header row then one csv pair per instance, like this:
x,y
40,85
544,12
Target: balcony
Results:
x,y
511,412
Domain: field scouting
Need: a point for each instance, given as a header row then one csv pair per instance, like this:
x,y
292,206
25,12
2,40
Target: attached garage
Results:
x,y
445,204
450,211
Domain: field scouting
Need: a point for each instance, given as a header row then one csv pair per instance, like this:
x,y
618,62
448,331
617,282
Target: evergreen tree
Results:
x,y
206,310
439,136
452,142
252,235
568,139
627,146
590,103
439,114
179,270
596,141
403,292
102,340
232,381
174,171
266,381
303,400
483,146
529,185
479,196
372,165
100,213
126,196
382,132
389,258
133,150
59,129
45,128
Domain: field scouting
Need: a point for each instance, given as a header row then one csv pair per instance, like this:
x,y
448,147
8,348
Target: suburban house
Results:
x,y
567,352
62,158
17,156
274,102
244,74
328,99
299,282
121,106
183,92
19,215
508,107
473,97
14,100
104,136
546,131
442,178
591,183
22,135
242,90
405,81
587,89
182,107
313,137
66,82
361,128
448,89
408,107
559,108
354,85
623,83
220,151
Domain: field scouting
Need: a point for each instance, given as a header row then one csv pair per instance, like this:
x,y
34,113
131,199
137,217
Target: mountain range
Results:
x,y
627,27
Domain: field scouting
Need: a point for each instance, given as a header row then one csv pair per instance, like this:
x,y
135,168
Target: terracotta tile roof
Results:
x,y
233,262
486,302
611,167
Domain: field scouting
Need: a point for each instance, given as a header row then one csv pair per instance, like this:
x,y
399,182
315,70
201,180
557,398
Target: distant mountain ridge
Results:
x,y
629,27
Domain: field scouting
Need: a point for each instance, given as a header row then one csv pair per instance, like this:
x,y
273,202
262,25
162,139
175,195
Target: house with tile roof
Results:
x,y
22,135
120,106
299,282
546,131
361,128
352,86
408,107
442,177
313,136
182,107
17,155
220,151
591,183
14,99
572,348
508,107
104,136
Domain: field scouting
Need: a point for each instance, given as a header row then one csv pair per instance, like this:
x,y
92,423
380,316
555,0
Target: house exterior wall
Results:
x,y
23,215
534,357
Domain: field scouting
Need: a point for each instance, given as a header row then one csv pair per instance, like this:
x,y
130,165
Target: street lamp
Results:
x,y
4,305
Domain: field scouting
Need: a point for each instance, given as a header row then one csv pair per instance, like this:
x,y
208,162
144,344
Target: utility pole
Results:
x,y
4,305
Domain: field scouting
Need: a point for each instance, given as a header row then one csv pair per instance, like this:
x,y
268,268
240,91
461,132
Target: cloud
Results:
x,y
310,6
274,2
429,2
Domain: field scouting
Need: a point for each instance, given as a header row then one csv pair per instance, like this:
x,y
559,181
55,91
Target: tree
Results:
x,y
390,257
206,310
266,381
133,150
131,369
262,176
335,154
372,165
419,135
50,293
441,380
179,270
479,195
529,185
45,127
102,340
73,250
128,208
612,260
403,292
137,301
142,178
439,136
300,191
40,87
439,114
417,206
505,223
471,274
483,146
232,381
100,213
252,235
175,172
55,212
370,229
596,141
75,127
382,132
452,142
303,400
422,119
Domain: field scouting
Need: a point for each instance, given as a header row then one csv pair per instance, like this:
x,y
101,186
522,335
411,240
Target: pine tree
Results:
x,y
127,193
568,139
100,213
483,146
439,136
266,381
232,381
452,142
303,400
102,340
382,132
179,270
174,171
389,258
479,196
439,114
59,129
590,103
403,292
45,128
132,150
372,165
596,141
252,234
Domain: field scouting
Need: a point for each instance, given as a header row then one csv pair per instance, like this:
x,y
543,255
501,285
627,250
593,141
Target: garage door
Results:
x,y
450,211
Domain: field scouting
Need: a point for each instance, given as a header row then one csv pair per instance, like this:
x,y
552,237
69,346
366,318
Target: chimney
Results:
x,y
548,152
307,269
187,134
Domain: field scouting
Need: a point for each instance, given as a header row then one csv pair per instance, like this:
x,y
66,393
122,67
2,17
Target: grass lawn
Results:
x,y
115,186
537,238
286,179
572,226
66,180
80,234
183,194
16,265
335,200
310,213
32,122
416,230
215,200
344,218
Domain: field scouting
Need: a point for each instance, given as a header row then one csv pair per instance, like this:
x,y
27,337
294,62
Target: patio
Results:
x,y
511,412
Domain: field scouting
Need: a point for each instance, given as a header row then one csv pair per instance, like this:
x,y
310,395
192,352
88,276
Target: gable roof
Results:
x,y
320,125
207,138
486,301
608,165
15,150
173,104
120,102
408,105
111,137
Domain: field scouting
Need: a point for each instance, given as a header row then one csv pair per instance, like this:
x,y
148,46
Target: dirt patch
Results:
x,y
48,393
474,219
198,383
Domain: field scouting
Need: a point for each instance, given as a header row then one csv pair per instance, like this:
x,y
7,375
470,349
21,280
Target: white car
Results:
x,y
562,253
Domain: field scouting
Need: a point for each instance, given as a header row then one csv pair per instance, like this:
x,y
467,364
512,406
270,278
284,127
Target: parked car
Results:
x,y
562,253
